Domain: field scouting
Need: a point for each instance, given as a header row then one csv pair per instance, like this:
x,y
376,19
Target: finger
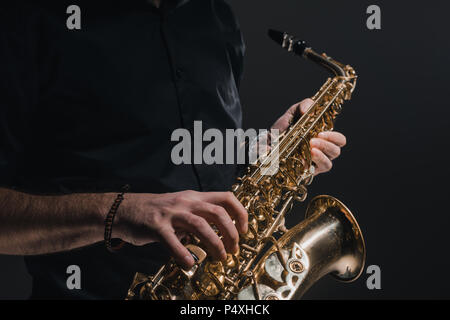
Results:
x,y
283,122
179,252
181,235
220,218
334,137
304,105
321,160
331,150
294,112
232,205
199,227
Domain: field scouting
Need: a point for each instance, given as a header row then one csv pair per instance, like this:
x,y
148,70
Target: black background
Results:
x,y
393,172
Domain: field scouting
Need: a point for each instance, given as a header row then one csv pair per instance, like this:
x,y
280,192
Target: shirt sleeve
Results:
x,y
18,89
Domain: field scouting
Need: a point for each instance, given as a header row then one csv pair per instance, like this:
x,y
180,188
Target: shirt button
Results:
x,y
179,73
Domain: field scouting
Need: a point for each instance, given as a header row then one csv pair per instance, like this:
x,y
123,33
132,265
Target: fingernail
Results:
x,y
313,141
188,260
223,253
322,134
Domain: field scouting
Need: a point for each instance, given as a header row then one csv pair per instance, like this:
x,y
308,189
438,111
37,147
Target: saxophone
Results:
x,y
274,263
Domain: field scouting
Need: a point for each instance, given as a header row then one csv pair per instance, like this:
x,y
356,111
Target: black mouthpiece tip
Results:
x,y
276,36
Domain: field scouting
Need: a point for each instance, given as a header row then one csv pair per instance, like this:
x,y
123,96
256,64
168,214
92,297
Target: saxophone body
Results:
x,y
274,263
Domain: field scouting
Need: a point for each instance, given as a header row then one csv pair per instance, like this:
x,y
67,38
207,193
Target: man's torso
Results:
x,y
92,109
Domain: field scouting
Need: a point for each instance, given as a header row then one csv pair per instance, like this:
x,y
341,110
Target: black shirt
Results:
x,y
92,109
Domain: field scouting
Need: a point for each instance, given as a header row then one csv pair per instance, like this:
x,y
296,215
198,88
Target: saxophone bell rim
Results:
x,y
324,200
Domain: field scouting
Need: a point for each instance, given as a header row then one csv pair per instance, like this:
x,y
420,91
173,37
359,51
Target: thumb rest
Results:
x,y
274,263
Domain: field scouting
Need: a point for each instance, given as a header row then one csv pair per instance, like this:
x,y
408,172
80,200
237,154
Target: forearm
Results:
x,y
35,224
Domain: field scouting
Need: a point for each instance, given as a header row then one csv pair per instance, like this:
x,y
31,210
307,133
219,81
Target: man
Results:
x,y
84,112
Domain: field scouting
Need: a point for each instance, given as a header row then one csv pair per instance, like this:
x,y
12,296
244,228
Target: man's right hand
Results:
x,y
145,218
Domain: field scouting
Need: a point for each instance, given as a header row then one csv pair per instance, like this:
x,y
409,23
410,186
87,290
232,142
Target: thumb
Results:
x,y
292,114
305,105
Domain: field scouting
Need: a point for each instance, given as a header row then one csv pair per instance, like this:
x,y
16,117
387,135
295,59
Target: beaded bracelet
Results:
x,y
109,220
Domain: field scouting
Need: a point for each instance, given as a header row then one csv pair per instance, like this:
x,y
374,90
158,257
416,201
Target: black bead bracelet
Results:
x,y
109,220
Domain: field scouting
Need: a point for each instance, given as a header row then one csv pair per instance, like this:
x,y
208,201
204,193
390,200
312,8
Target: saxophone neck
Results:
x,y
301,48
336,68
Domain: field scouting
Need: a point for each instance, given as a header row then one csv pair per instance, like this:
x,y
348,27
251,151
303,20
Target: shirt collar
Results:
x,y
168,5
179,3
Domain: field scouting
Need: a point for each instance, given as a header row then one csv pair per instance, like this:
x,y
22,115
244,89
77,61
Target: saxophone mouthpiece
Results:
x,y
276,36
288,42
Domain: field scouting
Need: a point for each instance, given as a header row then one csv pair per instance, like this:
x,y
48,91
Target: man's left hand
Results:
x,y
324,148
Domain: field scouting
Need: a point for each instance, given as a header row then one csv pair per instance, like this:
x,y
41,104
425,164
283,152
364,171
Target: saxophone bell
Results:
x,y
328,241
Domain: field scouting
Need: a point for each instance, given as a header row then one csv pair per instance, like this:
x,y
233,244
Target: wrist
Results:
x,y
116,213
109,222
102,206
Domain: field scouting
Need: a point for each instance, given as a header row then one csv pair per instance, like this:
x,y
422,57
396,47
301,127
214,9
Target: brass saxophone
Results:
x,y
274,263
